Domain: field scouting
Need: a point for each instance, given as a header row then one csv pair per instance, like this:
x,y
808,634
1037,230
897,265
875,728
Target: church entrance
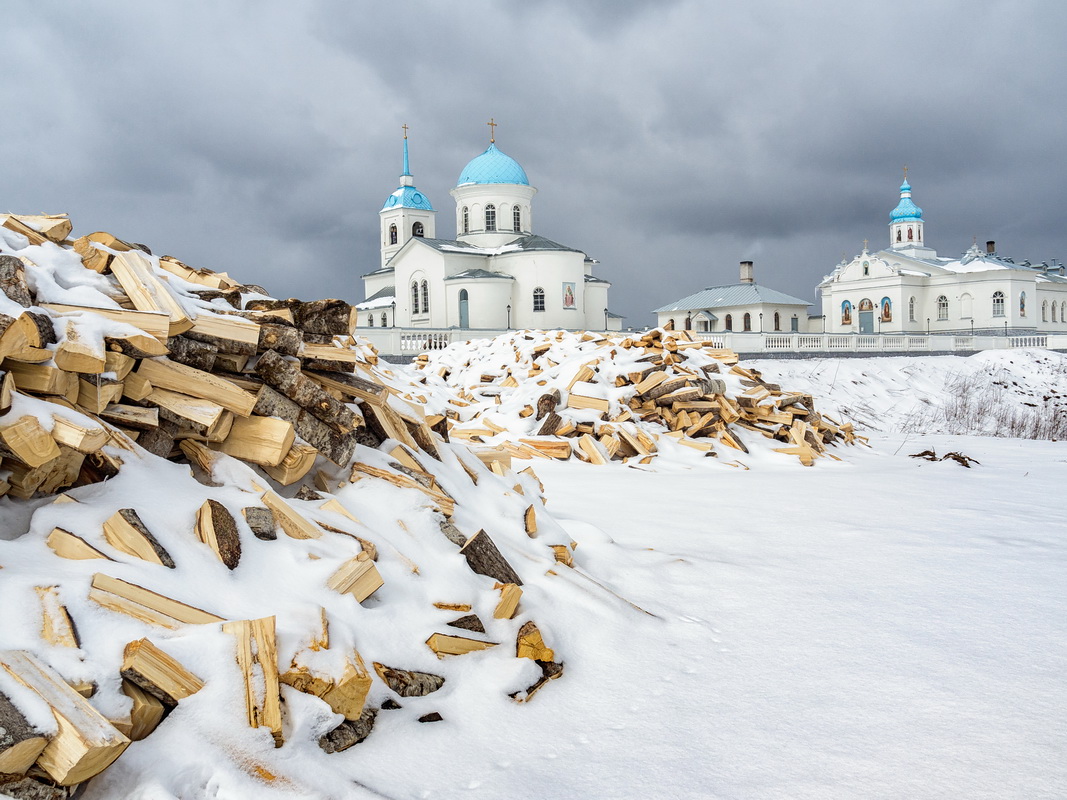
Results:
x,y
464,312
866,316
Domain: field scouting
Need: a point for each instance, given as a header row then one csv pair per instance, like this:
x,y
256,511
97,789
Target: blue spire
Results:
x,y
407,170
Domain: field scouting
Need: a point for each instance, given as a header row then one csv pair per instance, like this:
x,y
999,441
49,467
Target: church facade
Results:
x,y
907,288
495,274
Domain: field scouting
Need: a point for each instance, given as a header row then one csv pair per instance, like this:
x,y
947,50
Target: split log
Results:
x,y
157,673
158,442
193,415
345,694
146,711
261,440
280,338
335,446
529,644
83,438
86,743
257,656
261,521
155,324
166,374
29,442
286,378
129,416
228,334
57,628
124,531
80,353
469,622
510,594
59,473
21,742
192,353
42,379
294,525
216,528
484,558
146,605
358,577
54,227
409,683
95,392
443,645
147,292
13,280
295,465
349,733
66,545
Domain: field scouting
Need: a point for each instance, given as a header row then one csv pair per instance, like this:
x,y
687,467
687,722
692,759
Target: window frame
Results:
x,y
490,217
538,295
941,305
998,304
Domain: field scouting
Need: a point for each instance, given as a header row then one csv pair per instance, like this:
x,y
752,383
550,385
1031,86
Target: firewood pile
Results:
x,y
604,398
186,452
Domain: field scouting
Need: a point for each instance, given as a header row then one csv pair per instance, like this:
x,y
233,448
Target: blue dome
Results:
x,y
906,210
493,166
408,197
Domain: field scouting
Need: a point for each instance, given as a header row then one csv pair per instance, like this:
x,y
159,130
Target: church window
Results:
x,y
670,324
1063,310
417,229
538,299
425,297
942,307
466,220
1053,312
748,321
729,322
1044,310
516,219
370,320
490,217
898,234
688,322
911,234
1022,304
414,297
794,324
866,269
846,313
385,320
887,310
392,234
777,321
911,309
998,304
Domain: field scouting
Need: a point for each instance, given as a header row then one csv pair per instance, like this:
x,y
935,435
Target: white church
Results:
x,y
496,274
908,288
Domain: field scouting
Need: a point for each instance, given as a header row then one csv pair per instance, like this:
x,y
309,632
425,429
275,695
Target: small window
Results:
x,y
414,297
670,325
385,321
392,234
538,299
425,297
1022,304
998,304
898,234
1053,312
942,307
466,220
794,324
417,229
1063,309
911,235
370,320
911,309
729,322
516,219
1044,310
777,321
490,217
748,321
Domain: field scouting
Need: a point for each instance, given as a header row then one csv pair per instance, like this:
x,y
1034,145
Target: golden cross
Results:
x,y
905,172
865,245
492,130
405,127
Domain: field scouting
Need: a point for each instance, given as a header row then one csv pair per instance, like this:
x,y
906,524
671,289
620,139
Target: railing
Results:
x,y
408,341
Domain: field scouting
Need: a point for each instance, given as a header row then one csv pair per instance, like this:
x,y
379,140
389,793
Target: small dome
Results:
x,y
493,166
906,210
407,197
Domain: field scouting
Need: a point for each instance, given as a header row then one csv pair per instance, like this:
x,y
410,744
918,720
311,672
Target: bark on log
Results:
x,y
409,683
261,521
215,526
13,281
349,732
192,352
323,316
550,425
157,441
547,403
20,741
337,447
279,338
286,378
451,532
484,558
470,622
27,788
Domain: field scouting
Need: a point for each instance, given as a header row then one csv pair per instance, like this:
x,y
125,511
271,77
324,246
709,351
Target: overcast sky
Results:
x,y
668,140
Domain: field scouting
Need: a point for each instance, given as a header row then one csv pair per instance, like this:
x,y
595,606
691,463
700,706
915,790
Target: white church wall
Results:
x,y
555,272
487,302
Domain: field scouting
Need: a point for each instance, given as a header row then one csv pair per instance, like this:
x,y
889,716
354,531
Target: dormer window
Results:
x,y
490,217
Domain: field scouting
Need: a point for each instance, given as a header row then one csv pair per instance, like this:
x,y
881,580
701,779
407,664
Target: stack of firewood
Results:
x,y
187,365
605,398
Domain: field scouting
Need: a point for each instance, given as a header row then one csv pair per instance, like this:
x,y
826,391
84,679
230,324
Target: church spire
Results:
x,y
407,170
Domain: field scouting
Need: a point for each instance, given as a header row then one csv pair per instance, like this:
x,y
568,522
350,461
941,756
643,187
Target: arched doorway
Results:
x,y
866,316
464,311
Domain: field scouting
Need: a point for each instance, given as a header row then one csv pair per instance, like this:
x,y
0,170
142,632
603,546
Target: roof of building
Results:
x,y
735,294
479,275
594,279
493,166
407,197
383,298
906,210
524,243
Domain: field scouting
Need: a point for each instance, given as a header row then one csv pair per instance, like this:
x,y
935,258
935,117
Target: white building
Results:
x,y
744,307
497,273
908,288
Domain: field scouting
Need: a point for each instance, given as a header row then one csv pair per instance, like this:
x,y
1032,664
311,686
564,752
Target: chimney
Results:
x,y
991,247
746,272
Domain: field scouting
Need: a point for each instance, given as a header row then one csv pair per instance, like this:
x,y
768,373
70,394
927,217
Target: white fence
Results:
x,y
409,341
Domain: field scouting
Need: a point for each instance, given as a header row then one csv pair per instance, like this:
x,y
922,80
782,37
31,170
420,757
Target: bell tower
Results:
x,y
407,212
906,220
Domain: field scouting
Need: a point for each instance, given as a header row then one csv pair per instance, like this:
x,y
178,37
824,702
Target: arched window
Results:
x,y
392,234
1063,310
1053,312
414,297
538,299
385,320
887,309
942,307
1022,304
416,229
748,321
998,304
777,321
911,309
516,219
490,217
425,297
911,235
466,220
846,313
1044,310
729,322
370,320
898,234
670,324
688,322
